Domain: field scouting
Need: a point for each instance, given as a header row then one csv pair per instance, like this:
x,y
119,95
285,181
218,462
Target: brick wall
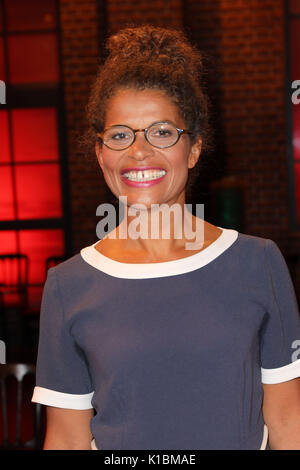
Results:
x,y
79,53
157,12
253,110
246,40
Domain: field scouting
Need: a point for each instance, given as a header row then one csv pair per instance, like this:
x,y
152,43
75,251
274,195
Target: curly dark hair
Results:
x,y
148,57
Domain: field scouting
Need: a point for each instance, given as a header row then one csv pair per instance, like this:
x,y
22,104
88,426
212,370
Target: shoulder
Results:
x,y
75,270
253,241
75,280
255,245
70,267
263,261
256,255
265,247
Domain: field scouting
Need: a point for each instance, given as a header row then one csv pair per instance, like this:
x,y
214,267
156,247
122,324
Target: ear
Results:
x,y
195,152
98,150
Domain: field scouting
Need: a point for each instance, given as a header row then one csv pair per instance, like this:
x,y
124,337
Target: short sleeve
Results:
x,y
62,376
280,335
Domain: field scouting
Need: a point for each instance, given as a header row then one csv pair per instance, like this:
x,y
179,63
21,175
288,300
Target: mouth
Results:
x,y
142,177
143,174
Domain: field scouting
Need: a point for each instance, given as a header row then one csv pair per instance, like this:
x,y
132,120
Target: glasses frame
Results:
x,y
180,132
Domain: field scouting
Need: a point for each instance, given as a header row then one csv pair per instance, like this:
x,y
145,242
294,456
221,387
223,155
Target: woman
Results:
x,y
165,342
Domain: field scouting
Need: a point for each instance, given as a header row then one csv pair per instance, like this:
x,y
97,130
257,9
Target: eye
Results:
x,y
162,132
119,136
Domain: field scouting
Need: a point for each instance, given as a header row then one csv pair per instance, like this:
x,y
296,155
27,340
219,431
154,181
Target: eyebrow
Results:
x,y
168,121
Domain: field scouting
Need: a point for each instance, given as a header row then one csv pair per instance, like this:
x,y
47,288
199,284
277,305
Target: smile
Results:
x,y
143,177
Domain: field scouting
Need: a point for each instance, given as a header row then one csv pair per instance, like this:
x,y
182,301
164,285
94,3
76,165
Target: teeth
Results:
x,y
146,175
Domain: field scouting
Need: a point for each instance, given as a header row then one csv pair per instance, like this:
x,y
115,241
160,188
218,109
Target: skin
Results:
x,y
70,429
281,410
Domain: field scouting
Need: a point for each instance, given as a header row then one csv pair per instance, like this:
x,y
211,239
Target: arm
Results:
x,y
68,429
281,410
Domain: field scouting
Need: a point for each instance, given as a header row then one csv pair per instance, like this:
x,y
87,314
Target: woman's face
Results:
x,y
138,110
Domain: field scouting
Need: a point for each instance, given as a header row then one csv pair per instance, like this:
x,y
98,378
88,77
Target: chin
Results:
x,y
146,202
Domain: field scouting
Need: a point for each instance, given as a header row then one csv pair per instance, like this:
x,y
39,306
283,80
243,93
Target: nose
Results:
x,y
140,148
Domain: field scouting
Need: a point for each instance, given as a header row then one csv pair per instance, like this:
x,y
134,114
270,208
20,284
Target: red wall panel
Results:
x,y
33,58
8,241
38,190
6,193
39,245
4,138
35,134
2,69
30,14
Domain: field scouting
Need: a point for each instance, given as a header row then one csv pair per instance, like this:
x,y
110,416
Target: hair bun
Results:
x,y
150,43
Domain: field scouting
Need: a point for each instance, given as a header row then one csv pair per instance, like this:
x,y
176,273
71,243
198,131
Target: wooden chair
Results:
x,y
19,371
14,302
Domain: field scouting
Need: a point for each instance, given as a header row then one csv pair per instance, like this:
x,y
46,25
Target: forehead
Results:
x,y
137,108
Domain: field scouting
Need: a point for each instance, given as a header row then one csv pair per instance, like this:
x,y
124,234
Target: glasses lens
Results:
x,y
118,137
162,135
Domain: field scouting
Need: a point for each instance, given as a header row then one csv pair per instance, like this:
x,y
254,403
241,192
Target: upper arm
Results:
x,y
280,362
63,381
68,429
280,333
281,402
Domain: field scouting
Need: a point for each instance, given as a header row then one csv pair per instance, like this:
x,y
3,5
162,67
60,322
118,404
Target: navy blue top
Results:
x,y
170,355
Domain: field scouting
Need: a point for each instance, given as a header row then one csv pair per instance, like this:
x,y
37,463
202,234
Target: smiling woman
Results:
x,y
145,344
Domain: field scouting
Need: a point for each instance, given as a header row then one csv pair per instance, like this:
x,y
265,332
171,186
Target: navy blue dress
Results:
x,y
170,355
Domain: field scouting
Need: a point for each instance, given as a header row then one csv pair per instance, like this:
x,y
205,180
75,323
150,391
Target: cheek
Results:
x,y
179,161
109,161
109,167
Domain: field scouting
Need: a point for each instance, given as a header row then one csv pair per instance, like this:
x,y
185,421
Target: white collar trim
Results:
x,y
164,269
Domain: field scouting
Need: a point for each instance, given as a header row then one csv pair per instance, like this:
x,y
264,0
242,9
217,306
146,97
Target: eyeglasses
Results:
x,y
160,134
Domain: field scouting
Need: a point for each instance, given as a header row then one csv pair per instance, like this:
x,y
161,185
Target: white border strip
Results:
x,y
281,374
48,397
265,438
164,269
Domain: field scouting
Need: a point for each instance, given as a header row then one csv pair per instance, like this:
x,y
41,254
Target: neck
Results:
x,y
161,229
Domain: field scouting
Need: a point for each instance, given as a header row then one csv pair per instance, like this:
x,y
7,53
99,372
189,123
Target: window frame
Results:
x,y
39,96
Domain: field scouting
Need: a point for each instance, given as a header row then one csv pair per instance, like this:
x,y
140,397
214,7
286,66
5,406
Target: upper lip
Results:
x,y
141,168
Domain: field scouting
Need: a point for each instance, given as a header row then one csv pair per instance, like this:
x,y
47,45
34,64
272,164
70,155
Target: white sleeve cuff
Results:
x,y
281,374
44,396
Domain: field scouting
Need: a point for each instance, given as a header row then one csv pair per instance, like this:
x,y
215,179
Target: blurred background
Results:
x,y
49,191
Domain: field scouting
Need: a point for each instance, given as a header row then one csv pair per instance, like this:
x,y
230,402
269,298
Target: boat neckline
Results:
x,y
119,269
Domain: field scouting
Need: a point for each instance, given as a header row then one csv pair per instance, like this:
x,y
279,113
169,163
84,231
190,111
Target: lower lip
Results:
x,y
142,184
